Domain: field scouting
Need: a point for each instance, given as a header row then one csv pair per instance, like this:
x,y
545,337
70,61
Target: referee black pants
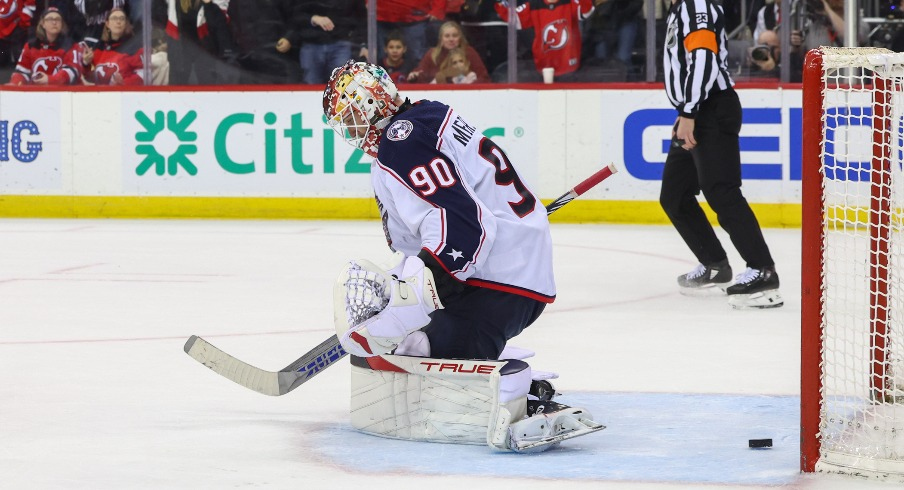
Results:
x,y
713,167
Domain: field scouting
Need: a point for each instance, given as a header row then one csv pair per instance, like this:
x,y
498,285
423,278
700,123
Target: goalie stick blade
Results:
x,y
311,364
262,381
259,380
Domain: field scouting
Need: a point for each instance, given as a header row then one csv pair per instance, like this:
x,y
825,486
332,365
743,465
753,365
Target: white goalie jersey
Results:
x,y
444,188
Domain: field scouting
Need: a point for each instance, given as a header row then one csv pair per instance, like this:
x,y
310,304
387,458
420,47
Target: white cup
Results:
x,y
548,75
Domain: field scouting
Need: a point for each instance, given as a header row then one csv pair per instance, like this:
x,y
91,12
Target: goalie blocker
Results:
x,y
459,401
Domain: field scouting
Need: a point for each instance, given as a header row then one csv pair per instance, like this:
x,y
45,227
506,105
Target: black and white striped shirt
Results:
x,y
695,57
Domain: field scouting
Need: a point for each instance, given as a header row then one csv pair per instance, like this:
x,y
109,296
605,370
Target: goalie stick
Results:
x,y
330,350
584,186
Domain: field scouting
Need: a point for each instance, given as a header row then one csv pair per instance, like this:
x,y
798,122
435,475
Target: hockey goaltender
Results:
x,y
472,268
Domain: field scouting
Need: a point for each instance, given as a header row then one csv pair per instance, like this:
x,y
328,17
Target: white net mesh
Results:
x,y
862,407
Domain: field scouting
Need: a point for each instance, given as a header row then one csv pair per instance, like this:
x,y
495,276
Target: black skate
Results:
x,y
542,389
706,280
535,407
755,288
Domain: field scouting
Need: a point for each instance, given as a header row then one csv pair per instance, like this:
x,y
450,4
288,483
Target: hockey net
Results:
x,y
852,310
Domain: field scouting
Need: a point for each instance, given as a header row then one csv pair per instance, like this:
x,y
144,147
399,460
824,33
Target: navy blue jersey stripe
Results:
x,y
430,174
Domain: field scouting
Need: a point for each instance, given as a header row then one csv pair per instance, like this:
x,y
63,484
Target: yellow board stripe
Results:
x,y
579,211
186,207
650,212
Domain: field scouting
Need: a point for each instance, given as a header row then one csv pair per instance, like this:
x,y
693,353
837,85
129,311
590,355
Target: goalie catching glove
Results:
x,y
374,311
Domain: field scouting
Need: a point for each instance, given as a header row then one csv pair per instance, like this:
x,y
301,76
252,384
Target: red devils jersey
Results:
x,y
557,34
60,62
112,58
15,13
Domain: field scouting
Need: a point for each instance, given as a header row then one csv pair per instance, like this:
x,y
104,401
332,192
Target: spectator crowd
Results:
x,y
215,42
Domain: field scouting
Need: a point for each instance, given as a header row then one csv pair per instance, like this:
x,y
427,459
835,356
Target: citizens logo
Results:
x,y
179,157
212,144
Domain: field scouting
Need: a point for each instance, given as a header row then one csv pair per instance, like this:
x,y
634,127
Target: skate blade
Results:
x,y
553,441
708,291
761,300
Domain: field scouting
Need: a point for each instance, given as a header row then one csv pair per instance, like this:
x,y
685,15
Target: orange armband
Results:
x,y
701,39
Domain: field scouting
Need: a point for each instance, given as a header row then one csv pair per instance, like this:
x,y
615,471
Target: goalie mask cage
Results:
x,y
852,290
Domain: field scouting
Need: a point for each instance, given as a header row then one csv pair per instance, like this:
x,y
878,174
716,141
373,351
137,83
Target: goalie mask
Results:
x,y
358,102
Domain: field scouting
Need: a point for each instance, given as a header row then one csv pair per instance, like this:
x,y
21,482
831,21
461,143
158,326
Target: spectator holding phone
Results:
x,y
117,58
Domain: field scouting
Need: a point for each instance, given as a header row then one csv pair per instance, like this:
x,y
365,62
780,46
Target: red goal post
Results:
x,y
852,289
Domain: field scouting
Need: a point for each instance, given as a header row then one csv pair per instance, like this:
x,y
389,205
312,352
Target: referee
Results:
x,y
705,156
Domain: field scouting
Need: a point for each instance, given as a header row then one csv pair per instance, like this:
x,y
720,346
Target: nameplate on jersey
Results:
x,y
399,130
461,131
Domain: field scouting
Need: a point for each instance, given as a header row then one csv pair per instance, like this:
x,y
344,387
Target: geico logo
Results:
x,y
13,140
770,142
456,367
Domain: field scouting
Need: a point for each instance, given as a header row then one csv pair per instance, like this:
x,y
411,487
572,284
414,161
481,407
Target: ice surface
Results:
x,y
96,392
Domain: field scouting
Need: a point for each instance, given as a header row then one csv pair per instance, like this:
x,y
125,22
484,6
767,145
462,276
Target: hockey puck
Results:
x,y
759,443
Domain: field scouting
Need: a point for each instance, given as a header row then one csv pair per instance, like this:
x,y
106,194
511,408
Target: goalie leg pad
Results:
x,y
438,400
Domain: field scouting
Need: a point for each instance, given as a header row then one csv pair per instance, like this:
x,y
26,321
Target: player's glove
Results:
x,y
408,304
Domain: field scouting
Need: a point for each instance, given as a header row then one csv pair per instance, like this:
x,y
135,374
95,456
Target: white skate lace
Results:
x,y
697,272
747,276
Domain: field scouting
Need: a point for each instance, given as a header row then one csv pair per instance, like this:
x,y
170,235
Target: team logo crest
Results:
x,y
104,72
399,130
8,9
671,36
555,35
47,64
